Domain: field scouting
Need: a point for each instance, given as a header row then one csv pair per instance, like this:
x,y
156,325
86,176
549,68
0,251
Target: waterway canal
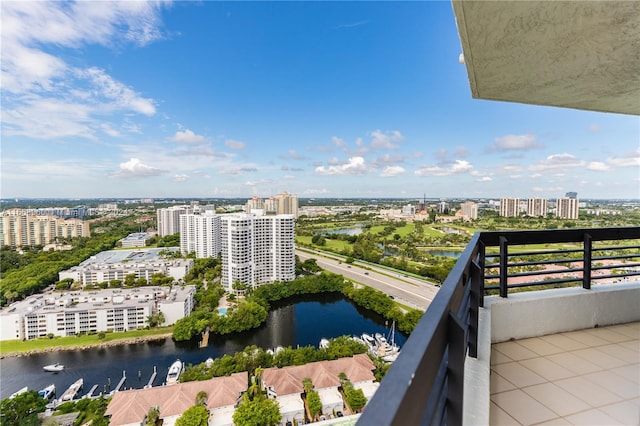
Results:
x,y
301,323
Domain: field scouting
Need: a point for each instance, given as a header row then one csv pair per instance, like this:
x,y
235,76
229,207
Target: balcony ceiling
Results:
x,y
574,54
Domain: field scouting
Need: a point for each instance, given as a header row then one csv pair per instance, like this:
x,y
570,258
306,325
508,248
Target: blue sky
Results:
x,y
320,99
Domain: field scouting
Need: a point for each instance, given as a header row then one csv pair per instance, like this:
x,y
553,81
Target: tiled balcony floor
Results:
x,y
585,377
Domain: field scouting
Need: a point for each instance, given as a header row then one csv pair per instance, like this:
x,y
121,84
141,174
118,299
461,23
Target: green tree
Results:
x,y
201,398
259,412
152,417
21,410
198,415
130,280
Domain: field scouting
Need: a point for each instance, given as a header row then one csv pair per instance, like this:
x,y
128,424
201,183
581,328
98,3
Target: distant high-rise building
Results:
x,y
257,249
537,207
287,204
469,209
572,195
509,207
567,208
20,229
443,207
200,234
169,219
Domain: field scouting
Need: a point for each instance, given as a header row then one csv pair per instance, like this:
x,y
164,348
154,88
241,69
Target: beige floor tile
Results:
x,y
592,418
626,412
599,358
574,363
629,372
499,383
498,357
498,417
554,422
547,369
518,374
614,383
589,392
585,338
632,345
630,329
523,407
540,346
608,334
563,342
515,351
557,399
619,351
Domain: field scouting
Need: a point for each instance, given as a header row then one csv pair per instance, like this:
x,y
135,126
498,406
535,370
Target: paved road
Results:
x,y
409,291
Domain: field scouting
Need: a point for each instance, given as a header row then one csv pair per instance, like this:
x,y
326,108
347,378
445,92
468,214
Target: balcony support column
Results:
x,y
504,269
586,262
476,291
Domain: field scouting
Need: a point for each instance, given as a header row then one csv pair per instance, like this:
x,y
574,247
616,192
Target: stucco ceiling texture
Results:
x,y
575,54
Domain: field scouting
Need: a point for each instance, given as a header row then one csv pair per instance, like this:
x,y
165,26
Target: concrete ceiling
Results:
x,y
574,54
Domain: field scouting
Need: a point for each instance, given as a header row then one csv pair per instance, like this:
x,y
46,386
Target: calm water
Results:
x,y
302,323
346,231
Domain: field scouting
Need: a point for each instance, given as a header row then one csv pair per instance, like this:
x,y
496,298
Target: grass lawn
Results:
x,y
402,231
7,346
331,245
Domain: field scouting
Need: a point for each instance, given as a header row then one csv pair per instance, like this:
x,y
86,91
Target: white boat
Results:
x,y
369,340
19,392
73,390
209,362
380,339
48,392
53,368
174,372
324,343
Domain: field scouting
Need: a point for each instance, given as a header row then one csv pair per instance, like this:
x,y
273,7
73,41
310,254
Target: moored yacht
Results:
x,y
48,392
53,368
174,372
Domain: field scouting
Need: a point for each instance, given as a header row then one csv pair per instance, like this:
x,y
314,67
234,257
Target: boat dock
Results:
x,y
73,390
91,391
121,382
205,339
153,377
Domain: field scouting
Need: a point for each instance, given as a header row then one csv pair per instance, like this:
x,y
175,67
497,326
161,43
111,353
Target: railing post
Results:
x,y
504,260
473,309
455,370
586,262
481,262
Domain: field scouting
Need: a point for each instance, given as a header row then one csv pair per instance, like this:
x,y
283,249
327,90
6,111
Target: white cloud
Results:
x,y
515,142
180,178
315,191
458,166
388,140
354,166
390,171
33,78
598,166
188,136
387,160
135,168
234,144
484,179
293,155
631,159
557,161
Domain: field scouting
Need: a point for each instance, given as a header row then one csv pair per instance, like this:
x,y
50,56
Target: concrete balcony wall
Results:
x,y
537,313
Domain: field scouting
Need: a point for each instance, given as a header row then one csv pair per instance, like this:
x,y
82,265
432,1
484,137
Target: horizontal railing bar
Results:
x,y
545,282
532,263
614,248
618,265
491,238
535,273
629,274
620,256
531,253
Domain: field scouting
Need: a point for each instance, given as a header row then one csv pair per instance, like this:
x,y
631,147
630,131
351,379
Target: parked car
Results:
x,y
339,414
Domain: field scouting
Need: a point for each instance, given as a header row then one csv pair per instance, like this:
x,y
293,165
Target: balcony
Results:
x,y
529,327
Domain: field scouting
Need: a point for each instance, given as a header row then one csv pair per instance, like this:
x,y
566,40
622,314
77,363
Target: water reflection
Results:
x,y
303,321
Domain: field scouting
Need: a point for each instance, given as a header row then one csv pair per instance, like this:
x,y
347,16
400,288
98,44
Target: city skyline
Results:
x,y
336,100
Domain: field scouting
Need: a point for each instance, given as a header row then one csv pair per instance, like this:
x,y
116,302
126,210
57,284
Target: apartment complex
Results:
x,y
567,208
509,207
257,249
72,313
169,219
200,234
21,229
283,203
117,264
469,210
537,207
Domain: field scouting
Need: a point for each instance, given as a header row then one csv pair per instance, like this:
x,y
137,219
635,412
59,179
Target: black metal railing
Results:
x,y
426,383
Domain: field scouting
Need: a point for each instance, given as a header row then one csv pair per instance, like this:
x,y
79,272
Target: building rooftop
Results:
x,y
134,255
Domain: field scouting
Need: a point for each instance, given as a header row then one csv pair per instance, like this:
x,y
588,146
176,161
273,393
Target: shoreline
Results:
x,y
111,343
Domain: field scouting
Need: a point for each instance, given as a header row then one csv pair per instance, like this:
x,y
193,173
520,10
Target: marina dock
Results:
x,y
153,377
121,382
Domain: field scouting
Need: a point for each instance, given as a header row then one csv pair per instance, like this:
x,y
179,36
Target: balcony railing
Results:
x,y
425,385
